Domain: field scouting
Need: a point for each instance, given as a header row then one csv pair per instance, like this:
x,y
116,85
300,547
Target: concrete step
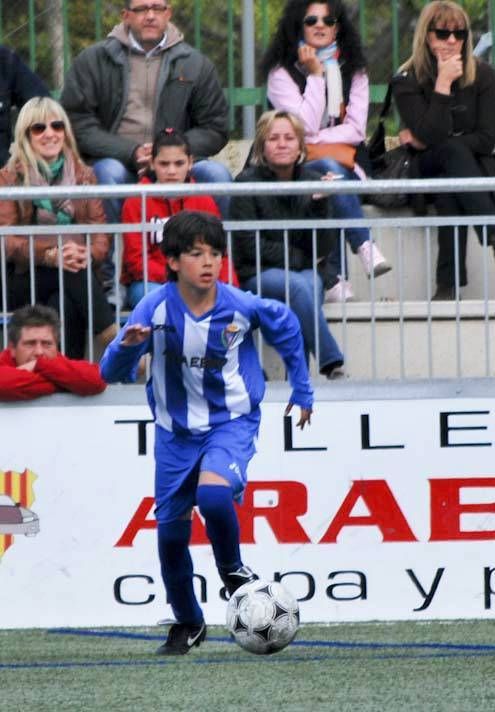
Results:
x,y
413,254
408,340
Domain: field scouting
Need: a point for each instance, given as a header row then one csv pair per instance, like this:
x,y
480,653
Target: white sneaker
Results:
x,y
372,259
340,292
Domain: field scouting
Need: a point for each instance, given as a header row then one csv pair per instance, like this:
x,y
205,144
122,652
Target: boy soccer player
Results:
x,y
205,391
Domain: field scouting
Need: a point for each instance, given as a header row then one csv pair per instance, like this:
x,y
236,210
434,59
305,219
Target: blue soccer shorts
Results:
x,y
226,450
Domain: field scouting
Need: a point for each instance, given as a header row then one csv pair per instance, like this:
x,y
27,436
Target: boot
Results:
x,y
372,259
340,292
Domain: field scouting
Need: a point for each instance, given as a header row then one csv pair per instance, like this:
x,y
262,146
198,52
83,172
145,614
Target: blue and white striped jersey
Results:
x,y
205,370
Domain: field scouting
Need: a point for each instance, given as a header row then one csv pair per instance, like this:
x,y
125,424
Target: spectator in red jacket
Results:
x,y
32,366
171,163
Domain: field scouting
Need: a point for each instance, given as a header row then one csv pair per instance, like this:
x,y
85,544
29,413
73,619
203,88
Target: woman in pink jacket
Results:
x,y
316,69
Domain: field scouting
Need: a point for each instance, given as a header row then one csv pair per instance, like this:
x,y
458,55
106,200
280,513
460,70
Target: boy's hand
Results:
x,y
304,418
136,334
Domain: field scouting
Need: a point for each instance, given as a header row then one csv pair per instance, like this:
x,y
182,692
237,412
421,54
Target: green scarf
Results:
x,y
45,204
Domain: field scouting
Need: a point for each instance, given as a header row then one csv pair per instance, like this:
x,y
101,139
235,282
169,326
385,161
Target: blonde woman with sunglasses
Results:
x,y
446,100
44,153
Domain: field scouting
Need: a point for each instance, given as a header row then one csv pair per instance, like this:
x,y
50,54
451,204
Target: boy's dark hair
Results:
x,y
32,315
170,137
184,229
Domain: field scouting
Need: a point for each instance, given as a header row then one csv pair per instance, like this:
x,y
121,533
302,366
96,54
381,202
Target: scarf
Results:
x,y
54,212
329,57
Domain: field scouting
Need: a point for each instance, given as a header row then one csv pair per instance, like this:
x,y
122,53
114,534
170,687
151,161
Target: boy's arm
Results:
x,y
304,418
121,358
280,328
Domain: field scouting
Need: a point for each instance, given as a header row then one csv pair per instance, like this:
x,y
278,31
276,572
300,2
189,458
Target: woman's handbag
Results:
x,y
387,165
344,153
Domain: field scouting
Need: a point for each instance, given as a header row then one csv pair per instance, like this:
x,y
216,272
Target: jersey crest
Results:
x,y
230,335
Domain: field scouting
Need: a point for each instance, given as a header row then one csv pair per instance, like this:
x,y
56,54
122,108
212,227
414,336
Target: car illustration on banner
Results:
x,y
15,519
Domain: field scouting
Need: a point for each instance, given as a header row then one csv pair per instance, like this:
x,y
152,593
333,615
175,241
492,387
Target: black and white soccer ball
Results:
x,y
263,617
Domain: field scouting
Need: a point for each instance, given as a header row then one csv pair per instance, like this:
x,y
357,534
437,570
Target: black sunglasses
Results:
x,y
311,20
144,9
442,33
39,127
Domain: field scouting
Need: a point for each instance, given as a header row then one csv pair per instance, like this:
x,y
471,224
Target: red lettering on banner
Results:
x,y
139,521
446,509
292,502
385,513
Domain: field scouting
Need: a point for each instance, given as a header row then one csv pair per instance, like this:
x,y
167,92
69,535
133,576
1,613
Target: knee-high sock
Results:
x,y
222,526
177,570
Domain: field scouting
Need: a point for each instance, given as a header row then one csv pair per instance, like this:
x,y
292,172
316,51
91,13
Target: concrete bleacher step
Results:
x,y
234,155
413,261
412,340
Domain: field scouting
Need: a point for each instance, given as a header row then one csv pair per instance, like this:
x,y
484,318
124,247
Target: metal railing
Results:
x,y
374,330
55,30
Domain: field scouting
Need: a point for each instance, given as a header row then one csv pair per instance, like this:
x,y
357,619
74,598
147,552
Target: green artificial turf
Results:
x,y
372,667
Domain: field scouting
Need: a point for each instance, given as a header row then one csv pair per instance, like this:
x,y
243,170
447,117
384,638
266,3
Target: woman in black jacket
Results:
x,y
446,100
287,259
18,84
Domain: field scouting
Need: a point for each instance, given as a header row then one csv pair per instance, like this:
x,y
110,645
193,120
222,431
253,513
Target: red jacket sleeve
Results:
x,y
17,384
132,256
132,259
80,377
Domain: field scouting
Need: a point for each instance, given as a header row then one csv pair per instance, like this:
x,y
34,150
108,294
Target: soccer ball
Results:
x,y
263,617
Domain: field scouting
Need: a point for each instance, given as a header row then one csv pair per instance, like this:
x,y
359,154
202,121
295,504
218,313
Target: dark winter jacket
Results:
x,y
18,84
278,207
189,98
466,113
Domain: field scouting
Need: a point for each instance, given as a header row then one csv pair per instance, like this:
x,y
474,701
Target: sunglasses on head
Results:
x,y
39,127
442,33
311,20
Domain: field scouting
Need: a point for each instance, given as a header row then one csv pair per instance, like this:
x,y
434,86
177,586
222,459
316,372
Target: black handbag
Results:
x,y
387,165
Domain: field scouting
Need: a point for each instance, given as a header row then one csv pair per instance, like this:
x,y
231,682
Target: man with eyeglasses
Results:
x,y
18,84
143,78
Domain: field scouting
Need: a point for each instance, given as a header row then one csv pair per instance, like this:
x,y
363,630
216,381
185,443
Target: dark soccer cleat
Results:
x,y
181,638
236,579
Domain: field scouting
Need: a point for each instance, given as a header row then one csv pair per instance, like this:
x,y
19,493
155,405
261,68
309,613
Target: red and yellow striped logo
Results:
x,y
18,486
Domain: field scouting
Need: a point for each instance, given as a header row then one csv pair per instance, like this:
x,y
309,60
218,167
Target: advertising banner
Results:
x,y
380,510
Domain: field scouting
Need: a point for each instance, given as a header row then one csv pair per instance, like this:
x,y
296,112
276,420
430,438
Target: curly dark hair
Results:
x,y
282,50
